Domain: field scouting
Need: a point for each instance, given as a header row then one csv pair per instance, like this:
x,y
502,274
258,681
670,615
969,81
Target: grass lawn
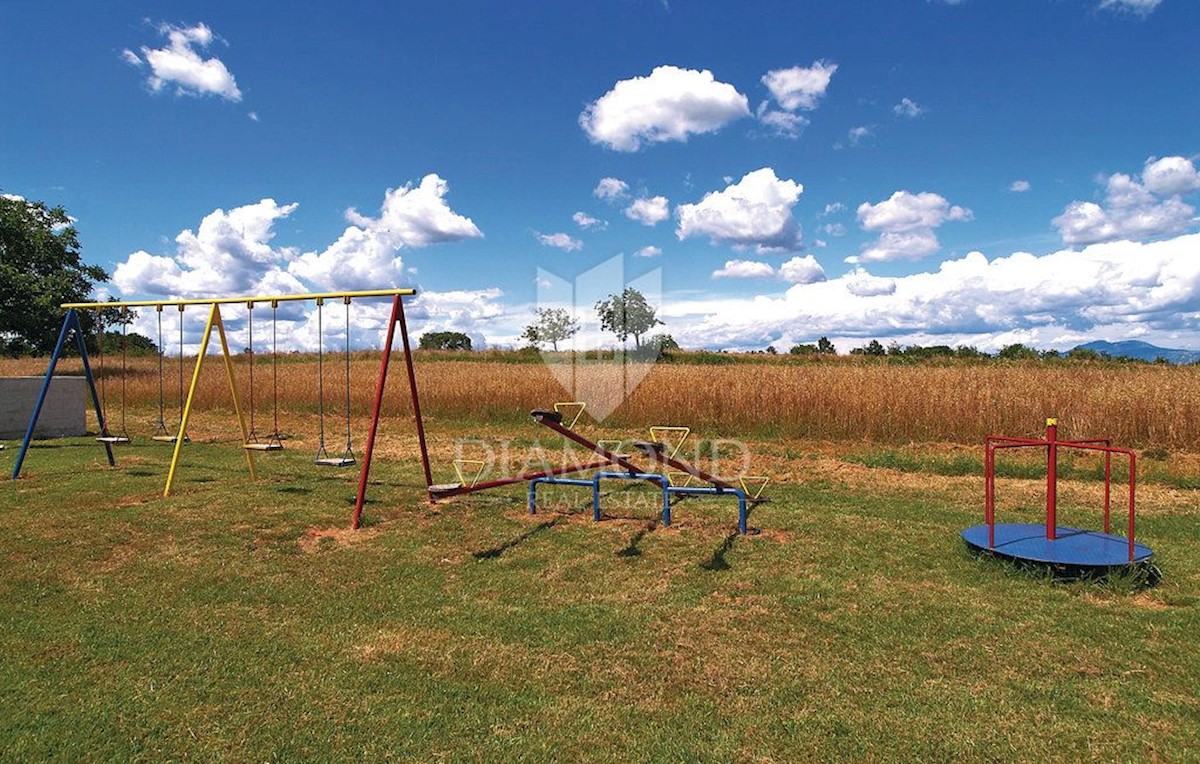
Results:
x,y
241,621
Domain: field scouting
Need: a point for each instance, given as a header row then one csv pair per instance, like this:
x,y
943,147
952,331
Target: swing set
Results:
x,y
251,440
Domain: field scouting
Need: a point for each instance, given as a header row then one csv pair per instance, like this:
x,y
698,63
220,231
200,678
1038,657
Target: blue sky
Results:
x,y
976,172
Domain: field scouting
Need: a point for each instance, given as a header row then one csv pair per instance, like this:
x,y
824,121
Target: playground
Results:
x,y
243,616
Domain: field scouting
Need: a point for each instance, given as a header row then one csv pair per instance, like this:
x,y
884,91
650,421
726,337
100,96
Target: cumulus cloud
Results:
x,y
586,221
798,270
1170,175
1019,186
800,87
908,109
648,211
180,64
905,223
611,189
1137,7
744,269
648,251
232,252
229,253
756,211
1135,209
560,240
1116,289
668,105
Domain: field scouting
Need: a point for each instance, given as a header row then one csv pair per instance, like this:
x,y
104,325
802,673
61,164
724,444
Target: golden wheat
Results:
x,y
1137,404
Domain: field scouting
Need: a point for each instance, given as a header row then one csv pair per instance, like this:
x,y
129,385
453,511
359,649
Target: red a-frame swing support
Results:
x,y
397,317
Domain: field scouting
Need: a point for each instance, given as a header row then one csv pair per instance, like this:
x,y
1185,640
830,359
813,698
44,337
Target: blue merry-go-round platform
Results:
x,y
1071,548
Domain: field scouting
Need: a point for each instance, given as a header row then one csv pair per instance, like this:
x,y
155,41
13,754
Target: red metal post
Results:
x,y
1107,484
379,387
416,401
1051,479
1132,486
989,501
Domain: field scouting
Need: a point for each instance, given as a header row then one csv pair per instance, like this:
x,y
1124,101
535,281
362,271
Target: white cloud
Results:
x,y
1115,290
611,189
834,229
668,105
908,109
905,224
859,134
862,284
651,211
1170,175
1138,7
253,116
802,270
229,253
560,240
798,270
1132,209
179,63
783,124
1019,186
833,208
648,251
800,87
586,221
744,269
756,211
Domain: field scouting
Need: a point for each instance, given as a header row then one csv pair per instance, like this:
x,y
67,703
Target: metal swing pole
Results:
x,y
71,319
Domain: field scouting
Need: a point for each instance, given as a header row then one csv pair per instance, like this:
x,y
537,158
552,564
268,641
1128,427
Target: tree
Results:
x,y
445,341
825,347
40,268
872,348
552,325
627,314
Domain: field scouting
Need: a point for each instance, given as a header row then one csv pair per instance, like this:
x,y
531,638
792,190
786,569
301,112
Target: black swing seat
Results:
x,y
553,416
441,489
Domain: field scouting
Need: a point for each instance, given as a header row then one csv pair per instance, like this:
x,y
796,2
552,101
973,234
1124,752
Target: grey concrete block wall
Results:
x,y
63,413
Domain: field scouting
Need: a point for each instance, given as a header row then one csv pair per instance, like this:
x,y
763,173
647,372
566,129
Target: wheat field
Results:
x,y
1138,405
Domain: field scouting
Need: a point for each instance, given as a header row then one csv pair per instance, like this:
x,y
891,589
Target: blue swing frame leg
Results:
x,y
71,320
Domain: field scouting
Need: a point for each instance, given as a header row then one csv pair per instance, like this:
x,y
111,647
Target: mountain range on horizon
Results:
x,y
1143,351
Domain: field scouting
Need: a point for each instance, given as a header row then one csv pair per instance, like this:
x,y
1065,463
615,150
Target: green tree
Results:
x,y
551,325
627,314
803,350
40,268
1018,352
444,341
825,347
872,348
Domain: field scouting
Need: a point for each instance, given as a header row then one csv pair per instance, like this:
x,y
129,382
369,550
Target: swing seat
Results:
x,y
272,446
166,438
440,489
115,439
334,461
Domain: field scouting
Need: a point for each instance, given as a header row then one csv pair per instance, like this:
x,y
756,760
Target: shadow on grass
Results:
x,y
293,489
1123,578
717,561
631,549
494,552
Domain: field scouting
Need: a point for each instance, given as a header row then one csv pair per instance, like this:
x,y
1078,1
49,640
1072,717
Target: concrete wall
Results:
x,y
62,413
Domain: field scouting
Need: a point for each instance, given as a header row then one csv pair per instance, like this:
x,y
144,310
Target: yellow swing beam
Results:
x,y
214,319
